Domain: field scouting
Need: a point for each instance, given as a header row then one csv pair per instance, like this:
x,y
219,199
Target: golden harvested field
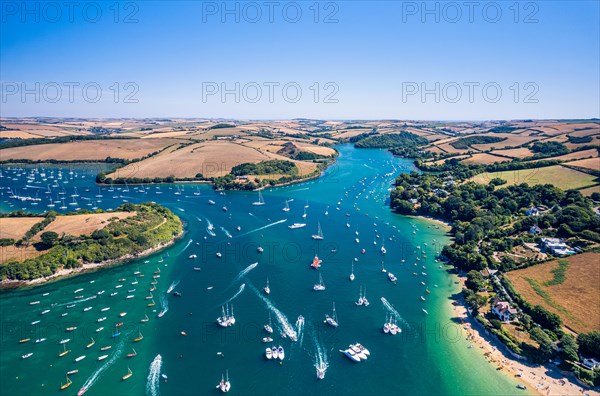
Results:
x,y
87,150
578,155
511,141
575,300
17,135
450,149
213,158
560,176
590,163
435,149
16,227
83,224
484,158
443,160
346,134
521,152
590,190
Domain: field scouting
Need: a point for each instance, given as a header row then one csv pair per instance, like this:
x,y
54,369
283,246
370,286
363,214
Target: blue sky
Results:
x,y
348,60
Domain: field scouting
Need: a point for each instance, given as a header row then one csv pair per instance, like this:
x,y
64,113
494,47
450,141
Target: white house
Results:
x,y
556,247
504,311
592,364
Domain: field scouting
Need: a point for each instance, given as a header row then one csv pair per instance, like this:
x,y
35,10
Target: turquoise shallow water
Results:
x,y
430,356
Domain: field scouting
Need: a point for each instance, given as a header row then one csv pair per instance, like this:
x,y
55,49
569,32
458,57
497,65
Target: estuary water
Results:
x,y
350,202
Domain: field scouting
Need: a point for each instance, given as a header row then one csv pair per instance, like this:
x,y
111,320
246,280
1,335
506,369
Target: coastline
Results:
x,y
542,379
446,226
85,268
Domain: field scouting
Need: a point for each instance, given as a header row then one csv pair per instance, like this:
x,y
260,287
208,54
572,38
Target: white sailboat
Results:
x,y
319,234
332,320
260,201
287,207
319,286
352,273
267,289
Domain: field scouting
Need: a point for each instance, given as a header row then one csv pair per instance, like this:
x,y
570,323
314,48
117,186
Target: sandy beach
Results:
x,y
545,380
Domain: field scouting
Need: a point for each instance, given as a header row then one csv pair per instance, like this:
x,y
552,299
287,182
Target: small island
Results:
x,y
36,248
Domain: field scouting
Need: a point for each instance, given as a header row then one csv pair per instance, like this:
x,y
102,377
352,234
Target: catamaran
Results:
x,y
319,234
319,286
260,201
332,320
224,385
392,278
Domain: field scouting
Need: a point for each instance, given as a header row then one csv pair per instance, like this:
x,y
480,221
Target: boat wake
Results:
x,y
96,375
186,246
392,310
281,318
321,359
245,271
210,227
76,301
242,287
300,329
263,227
164,303
152,386
226,232
173,286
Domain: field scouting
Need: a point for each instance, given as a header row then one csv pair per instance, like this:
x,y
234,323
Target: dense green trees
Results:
x,y
391,140
466,142
589,344
49,238
265,168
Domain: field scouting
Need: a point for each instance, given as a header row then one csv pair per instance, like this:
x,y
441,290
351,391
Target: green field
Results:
x,y
561,177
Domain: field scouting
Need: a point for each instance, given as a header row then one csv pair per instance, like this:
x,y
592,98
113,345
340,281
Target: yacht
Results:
x,y
332,320
321,369
269,327
268,353
280,353
319,286
267,289
297,225
319,234
392,278
260,201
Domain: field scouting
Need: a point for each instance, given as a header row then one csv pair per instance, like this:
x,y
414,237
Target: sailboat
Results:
x,y
269,327
332,320
145,319
139,338
352,273
224,385
129,374
67,384
91,344
267,289
304,214
132,354
287,207
260,201
319,234
319,286
65,351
